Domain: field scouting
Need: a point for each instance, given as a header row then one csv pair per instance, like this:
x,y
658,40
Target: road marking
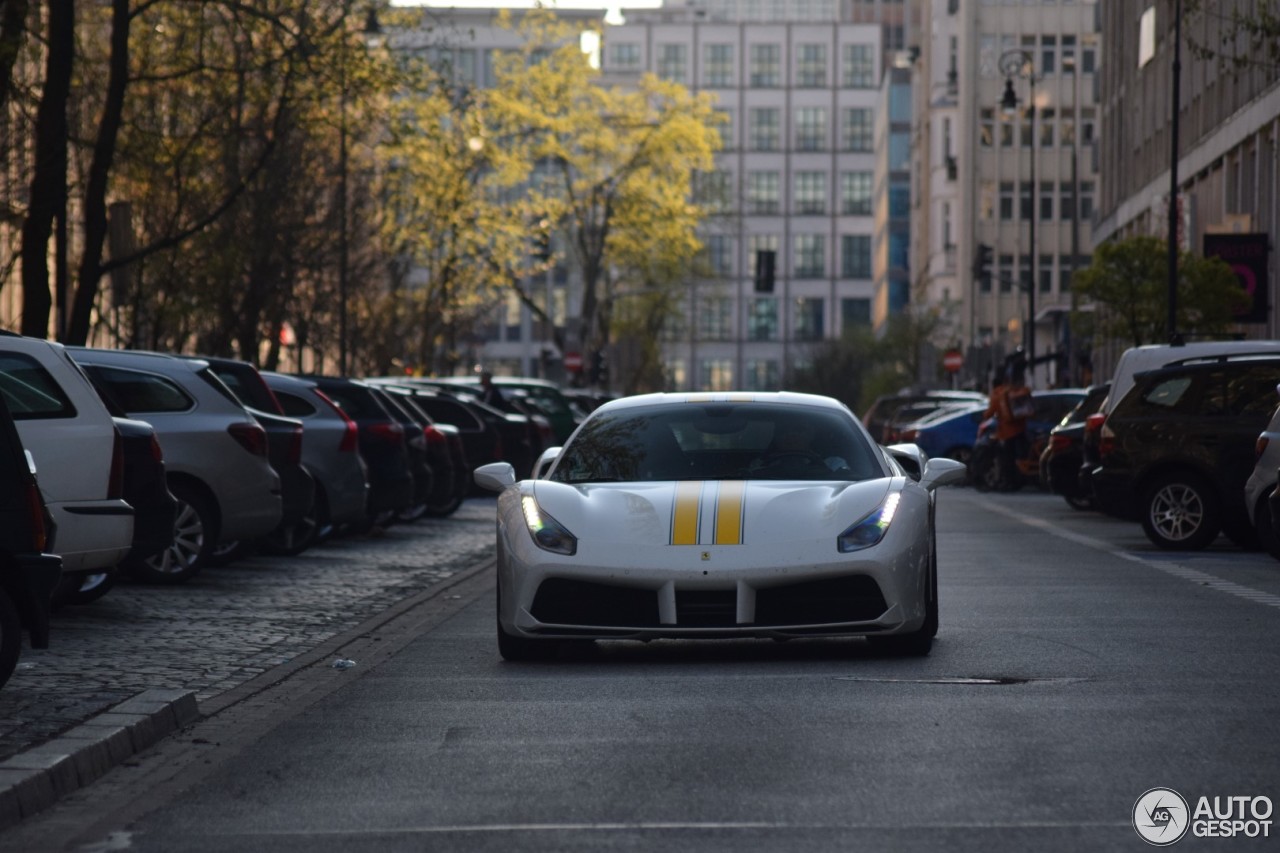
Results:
x,y
1169,567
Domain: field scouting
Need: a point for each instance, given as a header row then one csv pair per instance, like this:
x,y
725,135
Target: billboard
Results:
x,y
1247,256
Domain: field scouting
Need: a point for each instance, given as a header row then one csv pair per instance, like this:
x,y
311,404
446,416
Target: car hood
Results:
x,y
709,512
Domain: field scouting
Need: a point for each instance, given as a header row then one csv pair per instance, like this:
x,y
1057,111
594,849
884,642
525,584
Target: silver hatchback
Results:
x,y
215,452
330,450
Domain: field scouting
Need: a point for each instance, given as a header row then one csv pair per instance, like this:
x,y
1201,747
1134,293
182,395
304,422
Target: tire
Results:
x,y
413,513
986,472
10,636
445,507
520,649
290,540
1181,512
1266,532
194,534
919,642
82,588
1078,503
226,553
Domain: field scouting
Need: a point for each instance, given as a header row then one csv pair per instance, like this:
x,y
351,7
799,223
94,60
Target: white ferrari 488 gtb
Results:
x,y
719,515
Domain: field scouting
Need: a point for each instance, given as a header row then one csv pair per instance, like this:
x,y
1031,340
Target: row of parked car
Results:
x,y
159,465
1184,439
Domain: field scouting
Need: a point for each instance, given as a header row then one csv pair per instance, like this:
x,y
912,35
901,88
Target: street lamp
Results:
x,y
1021,63
371,31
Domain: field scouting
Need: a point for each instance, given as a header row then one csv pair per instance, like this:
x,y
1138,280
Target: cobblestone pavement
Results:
x,y
228,624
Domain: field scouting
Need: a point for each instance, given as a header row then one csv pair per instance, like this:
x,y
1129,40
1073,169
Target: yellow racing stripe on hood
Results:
x,y
685,512
729,503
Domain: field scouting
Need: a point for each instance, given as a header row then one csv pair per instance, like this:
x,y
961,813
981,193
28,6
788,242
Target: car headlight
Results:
x,y
547,533
870,530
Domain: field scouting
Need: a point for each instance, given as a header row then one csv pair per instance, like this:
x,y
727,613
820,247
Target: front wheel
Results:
x,y
82,589
919,642
1181,512
1266,531
194,531
290,540
1078,503
10,636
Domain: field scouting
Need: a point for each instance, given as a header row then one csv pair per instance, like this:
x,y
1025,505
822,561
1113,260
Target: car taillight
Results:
x,y
1094,422
909,435
1260,446
295,446
115,482
1106,441
392,433
351,438
1059,442
39,535
435,436
157,452
252,437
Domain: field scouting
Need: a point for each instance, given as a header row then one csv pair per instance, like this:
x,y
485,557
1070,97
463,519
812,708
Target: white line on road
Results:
x,y
1177,570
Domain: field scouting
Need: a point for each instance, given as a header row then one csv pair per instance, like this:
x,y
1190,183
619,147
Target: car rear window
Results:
x,y
136,391
244,382
359,403
295,406
30,391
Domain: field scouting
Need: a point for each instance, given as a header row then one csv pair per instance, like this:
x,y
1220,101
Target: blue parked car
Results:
x,y
948,432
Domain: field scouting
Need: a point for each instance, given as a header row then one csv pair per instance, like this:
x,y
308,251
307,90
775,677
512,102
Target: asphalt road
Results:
x,y
1076,668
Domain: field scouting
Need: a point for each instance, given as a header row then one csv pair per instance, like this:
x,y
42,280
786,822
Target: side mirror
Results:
x,y
910,457
943,472
495,476
545,461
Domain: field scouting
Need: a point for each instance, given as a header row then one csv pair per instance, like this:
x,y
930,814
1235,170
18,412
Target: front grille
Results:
x,y
561,601
852,598
706,608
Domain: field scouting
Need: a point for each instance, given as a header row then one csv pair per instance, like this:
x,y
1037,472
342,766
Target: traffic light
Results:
x,y
766,261
982,264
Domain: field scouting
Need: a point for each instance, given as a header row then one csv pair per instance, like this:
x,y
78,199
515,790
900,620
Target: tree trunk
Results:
x,y
13,19
95,197
49,181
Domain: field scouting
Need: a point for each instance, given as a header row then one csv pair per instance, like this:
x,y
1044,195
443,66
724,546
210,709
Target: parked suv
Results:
x,y
215,452
1177,449
28,573
78,452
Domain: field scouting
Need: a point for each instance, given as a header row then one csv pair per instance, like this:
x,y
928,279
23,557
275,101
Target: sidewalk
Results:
x,y
145,661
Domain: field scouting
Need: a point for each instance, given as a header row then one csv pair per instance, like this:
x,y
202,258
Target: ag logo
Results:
x,y
1161,817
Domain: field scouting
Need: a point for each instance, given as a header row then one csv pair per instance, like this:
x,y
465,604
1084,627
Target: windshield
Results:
x,y
718,441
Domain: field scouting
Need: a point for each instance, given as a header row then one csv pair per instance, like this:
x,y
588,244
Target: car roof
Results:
x,y
640,401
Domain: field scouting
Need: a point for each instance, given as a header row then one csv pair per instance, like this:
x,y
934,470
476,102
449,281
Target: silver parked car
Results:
x,y
215,452
330,450
1262,483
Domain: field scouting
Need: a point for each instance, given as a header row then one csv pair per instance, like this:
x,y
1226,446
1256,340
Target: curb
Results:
x,y
32,781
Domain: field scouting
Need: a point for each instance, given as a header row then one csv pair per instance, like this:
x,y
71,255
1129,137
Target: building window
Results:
x,y
719,249
762,319
899,201
1024,201
1089,53
762,375
858,68
757,243
725,127
1048,54
762,193
675,374
856,129
715,374
676,326
811,255
811,70
672,61
811,193
811,129
765,130
766,66
1067,201
1048,124
855,256
808,320
1046,273
986,127
1046,201
1006,201
1026,275
855,314
719,65
1086,200
855,193
624,55
715,320
715,190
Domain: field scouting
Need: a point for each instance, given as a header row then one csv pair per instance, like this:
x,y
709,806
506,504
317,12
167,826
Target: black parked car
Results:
x,y
28,573
1062,457
382,445
425,474
445,457
1177,450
